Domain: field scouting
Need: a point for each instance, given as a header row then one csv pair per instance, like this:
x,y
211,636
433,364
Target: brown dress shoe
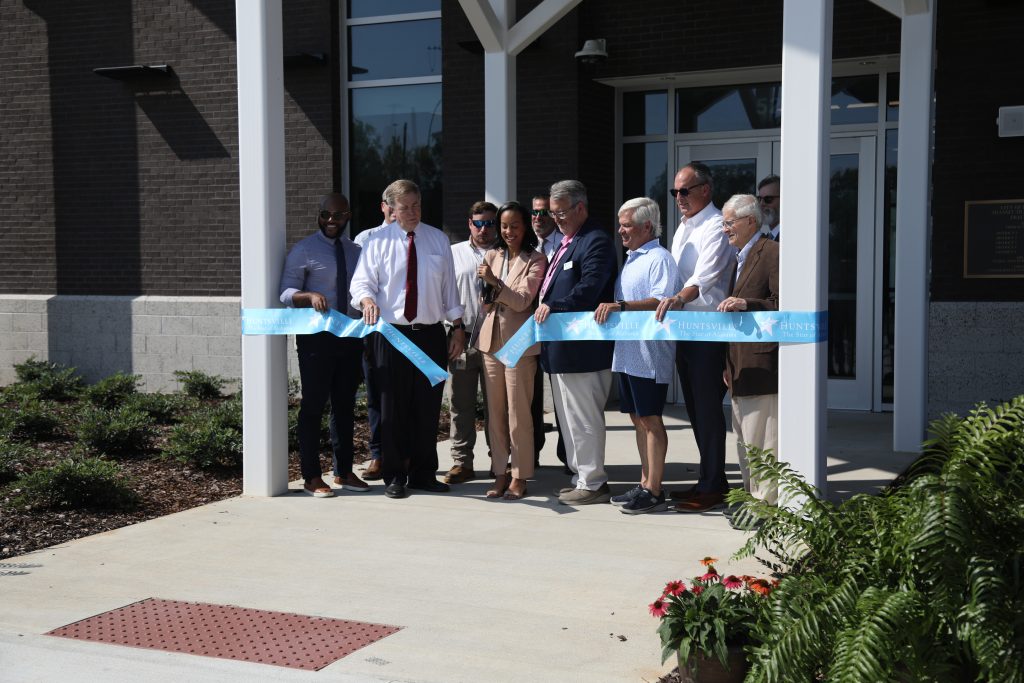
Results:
x,y
459,474
372,471
683,495
701,502
351,482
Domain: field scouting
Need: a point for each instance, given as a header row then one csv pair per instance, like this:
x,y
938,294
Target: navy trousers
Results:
x,y
700,366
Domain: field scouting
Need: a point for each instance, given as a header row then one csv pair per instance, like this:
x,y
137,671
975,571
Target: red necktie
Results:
x,y
410,281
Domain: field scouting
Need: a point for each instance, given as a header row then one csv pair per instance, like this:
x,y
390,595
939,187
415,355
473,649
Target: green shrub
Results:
x,y
15,458
123,431
920,583
47,380
210,437
162,408
84,483
29,419
199,384
113,391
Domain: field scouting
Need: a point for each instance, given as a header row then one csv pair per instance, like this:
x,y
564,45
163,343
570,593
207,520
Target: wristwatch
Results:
x,y
622,305
459,326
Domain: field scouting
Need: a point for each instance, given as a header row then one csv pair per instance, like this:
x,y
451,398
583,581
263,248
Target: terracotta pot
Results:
x,y
701,669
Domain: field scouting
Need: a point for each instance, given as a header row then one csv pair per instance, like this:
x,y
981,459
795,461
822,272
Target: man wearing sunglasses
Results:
x,y
544,225
705,263
771,205
467,371
317,274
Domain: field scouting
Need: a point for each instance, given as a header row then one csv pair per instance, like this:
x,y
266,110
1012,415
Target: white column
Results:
x,y
262,221
803,280
500,113
913,235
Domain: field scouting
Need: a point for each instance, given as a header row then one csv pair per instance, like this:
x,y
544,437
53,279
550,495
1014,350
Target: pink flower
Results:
x,y
732,582
711,576
697,589
674,588
658,608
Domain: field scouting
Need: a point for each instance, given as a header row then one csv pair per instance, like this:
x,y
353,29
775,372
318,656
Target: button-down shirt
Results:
x,y
649,271
382,268
564,243
741,256
311,266
467,257
550,243
704,257
361,238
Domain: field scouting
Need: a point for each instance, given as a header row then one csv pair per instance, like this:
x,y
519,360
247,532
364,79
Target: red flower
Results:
x,y
708,561
674,588
760,586
732,582
658,608
697,589
711,576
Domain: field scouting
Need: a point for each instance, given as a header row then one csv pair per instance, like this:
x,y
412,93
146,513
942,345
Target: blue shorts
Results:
x,y
641,396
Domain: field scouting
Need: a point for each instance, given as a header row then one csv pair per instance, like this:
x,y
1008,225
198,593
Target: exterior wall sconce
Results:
x,y
594,52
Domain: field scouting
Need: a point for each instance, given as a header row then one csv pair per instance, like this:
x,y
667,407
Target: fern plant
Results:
x,y
922,582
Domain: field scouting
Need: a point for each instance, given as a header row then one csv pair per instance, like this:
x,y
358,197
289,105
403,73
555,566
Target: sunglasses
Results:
x,y
684,191
477,223
540,212
336,215
768,198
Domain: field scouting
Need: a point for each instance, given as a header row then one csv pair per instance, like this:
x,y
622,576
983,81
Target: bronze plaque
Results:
x,y
994,239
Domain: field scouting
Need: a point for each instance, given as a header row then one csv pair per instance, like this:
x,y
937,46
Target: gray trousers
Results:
x,y
463,386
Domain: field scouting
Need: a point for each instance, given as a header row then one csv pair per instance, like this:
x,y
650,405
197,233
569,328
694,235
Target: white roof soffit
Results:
x,y
902,8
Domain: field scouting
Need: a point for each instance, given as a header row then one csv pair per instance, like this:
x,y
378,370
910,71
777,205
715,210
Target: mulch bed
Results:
x,y
165,486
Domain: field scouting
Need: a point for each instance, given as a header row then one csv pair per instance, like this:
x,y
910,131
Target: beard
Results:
x,y
771,217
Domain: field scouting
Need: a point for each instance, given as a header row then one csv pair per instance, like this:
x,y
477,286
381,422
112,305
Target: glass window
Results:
x,y
376,8
395,133
855,100
398,49
889,266
729,107
645,174
645,113
731,176
892,95
842,266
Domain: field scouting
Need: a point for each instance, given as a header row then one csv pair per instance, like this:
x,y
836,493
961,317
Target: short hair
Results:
x,y
573,189
398,189
326,199
530,240
703,173
644,210
543,197
743,205
481,207
770,180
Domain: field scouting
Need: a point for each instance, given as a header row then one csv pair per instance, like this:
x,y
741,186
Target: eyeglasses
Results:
x,y
685,191
540,212
767,199
336,215
479,224
734,221
560,215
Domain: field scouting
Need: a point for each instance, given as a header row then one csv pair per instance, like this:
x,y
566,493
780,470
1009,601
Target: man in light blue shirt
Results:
x,y
645,368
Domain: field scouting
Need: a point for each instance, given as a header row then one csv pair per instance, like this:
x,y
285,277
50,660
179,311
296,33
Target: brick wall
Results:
x,y
978,67
126,188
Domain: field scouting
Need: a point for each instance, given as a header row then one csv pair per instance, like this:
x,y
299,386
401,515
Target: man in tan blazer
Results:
x,y
752,368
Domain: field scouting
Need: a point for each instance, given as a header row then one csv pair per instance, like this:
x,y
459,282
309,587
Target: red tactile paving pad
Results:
x,y
248,635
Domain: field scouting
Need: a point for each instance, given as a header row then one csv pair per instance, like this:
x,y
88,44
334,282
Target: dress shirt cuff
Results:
x,y
287,296
453,314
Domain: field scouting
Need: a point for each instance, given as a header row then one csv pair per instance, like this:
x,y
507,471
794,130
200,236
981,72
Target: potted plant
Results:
x,y
707,623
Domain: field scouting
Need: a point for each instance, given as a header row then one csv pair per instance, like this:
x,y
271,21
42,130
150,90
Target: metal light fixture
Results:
x,y
594,51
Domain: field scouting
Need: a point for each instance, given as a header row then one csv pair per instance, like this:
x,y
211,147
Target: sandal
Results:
x,y
516,495
500,486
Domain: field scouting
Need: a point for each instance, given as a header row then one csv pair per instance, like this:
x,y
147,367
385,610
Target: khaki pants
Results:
x,y
510,423
755,420
463,385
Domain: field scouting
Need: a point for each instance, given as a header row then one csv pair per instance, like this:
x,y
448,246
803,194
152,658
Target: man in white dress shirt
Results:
x,y
706,262
406,277
467,371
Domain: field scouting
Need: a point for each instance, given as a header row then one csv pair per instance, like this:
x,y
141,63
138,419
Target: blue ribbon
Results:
x,y
794,327
309,321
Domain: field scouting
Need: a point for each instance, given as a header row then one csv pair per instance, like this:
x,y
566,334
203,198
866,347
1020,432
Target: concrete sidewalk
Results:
x,y
485,590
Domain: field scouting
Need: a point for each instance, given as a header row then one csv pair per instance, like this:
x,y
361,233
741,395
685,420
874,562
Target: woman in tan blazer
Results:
x,y
512,273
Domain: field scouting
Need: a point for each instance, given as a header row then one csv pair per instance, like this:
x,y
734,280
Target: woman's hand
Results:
x,y
483,271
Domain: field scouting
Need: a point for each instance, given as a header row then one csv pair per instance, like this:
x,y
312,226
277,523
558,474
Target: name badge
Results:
x,y
567,265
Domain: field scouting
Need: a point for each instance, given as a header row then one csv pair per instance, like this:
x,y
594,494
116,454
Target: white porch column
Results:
x,y
500,113
803,280
913,234
262,219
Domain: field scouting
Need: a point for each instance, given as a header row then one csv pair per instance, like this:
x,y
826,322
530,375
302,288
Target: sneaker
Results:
x,y
645,501
459,474
351,482
626,497
585,497
558,493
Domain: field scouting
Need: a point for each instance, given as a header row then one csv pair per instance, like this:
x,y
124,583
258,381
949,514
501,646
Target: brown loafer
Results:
x,y
459,474
351,482
372,471
317,488
683,495
701,502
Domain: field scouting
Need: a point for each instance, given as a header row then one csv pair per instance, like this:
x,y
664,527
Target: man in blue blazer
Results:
x,y
580,275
